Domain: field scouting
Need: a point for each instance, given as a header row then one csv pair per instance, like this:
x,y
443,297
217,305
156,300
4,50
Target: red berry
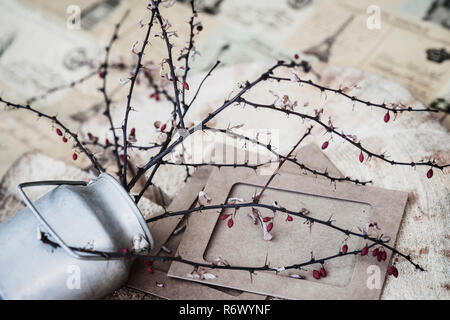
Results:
x,y
365,250
149,270
344,248
383,255
375,252
361,157
379,255
430,173
269,227
186,86
316,274
395,272
230,223
387,117
132,132
289,218
101,75
107,143
296,56
323,273
390,270
224,216
64,139
325,145
122,158
267,219
59,132
163,127
74,156
157,96
90,136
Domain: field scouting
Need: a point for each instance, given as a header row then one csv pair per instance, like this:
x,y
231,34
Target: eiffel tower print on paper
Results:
x,y
322,50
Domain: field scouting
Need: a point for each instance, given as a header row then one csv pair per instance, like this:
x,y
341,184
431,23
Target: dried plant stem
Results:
x,y
172,69
130,94
54,119
354,98
210,116
201,84
55,89
308,218
186,58
280,156
330,129
127,255
107,100
258,197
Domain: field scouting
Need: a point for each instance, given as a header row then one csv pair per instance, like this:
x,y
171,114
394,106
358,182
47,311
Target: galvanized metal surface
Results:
x,y
100,216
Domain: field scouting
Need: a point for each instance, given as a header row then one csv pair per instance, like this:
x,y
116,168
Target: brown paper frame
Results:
x,y
387,206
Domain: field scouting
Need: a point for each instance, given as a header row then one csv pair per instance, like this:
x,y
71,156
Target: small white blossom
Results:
x,y
123,82
203,194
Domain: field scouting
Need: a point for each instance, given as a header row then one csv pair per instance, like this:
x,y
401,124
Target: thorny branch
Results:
x,y
107,113
131,254
259,195
130,93
54,119
327,223
344,136
171,67
270,148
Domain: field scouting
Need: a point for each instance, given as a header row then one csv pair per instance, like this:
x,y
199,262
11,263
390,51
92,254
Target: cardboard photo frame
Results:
x,y
386,208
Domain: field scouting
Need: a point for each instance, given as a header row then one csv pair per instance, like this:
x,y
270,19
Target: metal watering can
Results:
x,y
97,215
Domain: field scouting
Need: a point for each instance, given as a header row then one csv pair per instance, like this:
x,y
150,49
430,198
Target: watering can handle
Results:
x,y
45,223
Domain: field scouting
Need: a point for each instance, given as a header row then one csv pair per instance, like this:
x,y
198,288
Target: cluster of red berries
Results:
x,y
59,133
317,274
230,222
64,139
392,271
270,225
381,256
